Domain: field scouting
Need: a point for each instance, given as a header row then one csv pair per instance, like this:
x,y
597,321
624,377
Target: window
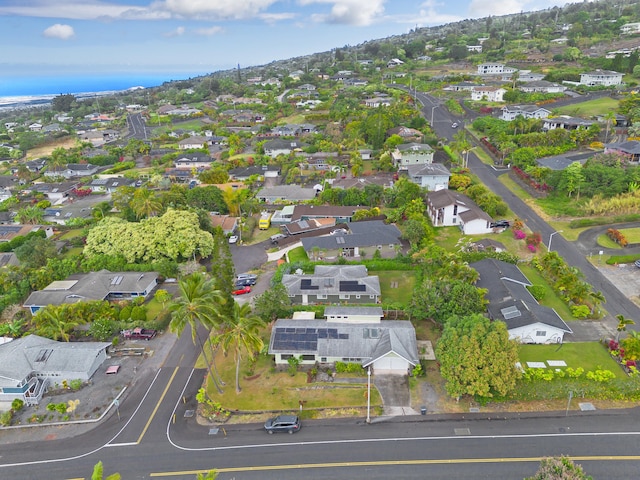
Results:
x,y
286,356
309,357
455,209
323,359
541,333
322,297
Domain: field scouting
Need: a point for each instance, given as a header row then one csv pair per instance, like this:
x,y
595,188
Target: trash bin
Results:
x,y
423,410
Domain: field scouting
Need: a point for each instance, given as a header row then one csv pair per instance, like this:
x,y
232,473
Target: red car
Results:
x,y
242,291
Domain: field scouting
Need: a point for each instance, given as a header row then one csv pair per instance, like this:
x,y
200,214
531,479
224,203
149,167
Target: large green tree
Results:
x,y
477,358
440,298
175,235
274,303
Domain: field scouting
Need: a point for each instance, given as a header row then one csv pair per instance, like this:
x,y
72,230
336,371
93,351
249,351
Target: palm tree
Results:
x,y
197,305
98,473
622,325
241,333
210,475
52,323
610,118
145,203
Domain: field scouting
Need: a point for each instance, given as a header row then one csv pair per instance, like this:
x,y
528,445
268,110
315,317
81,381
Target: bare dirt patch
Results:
x,y
45,150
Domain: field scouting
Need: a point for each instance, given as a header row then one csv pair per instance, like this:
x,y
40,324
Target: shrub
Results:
x,y
6,417
580,311
537,291
293,362
519,234
17,405
618,237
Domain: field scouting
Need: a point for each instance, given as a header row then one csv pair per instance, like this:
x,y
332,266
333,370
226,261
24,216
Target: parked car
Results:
x,y
339,231
247,276
501,224
277,237
139,334
283,423
454,125
233,239
637,263
242,291
245,282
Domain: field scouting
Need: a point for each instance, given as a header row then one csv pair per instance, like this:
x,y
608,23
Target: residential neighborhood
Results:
x,y
454,213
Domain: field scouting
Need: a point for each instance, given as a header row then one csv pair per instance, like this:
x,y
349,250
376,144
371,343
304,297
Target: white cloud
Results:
x,y
272,18
213,9
485,8
350,12
70,9
175,33
63,32
208,32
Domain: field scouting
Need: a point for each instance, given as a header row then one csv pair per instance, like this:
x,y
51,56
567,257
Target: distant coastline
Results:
x,y
25,92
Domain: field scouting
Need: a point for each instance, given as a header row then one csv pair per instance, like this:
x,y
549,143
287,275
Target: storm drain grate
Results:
x,y
586,406
462,431
214,431
189,413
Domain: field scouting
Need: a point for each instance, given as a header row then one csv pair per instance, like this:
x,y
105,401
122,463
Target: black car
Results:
x,y
246,282
501,224
283,423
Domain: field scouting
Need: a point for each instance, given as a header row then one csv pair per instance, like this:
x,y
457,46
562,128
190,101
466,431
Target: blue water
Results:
x,y
49,85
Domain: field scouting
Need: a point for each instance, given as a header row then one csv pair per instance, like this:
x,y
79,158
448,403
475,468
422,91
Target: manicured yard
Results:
x,y
589,356
265,389
297,255
550,298
403,282
76,232
590,108
606,242
632,234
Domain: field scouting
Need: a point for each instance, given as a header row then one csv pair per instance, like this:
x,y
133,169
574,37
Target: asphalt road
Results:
x,y
616,302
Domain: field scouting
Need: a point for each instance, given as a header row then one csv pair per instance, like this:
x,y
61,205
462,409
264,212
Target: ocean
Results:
x,y
17,92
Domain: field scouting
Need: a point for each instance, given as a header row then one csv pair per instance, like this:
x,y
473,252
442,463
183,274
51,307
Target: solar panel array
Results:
x,y
304,339
305,284
352,286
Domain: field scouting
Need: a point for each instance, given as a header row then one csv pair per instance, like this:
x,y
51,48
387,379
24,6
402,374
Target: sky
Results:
x,y
184,38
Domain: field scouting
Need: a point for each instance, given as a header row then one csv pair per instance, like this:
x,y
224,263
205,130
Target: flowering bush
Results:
x,y
532,248
618,237
519,234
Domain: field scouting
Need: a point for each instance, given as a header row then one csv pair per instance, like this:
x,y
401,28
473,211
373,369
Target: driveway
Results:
x,y
394,390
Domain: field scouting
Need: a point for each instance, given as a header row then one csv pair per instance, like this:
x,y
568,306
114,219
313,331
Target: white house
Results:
x,y
630,28
511,302
196,142
412,154
542,86
491,68
348,334
447,208
29,364
510,112
490,94
432,176
605,78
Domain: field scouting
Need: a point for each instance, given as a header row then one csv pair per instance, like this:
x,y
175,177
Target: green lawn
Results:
x,y
550,298
590,108
265,389
606,242
405,281
632,234
76,232
297,255
588,355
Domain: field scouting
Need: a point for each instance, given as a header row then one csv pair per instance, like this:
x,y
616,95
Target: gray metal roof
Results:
x,y
509,299
33,354
326,281
353,310
92,286
363,234
367,341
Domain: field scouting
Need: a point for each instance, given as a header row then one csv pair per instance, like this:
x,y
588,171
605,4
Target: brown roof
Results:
x,y
225,222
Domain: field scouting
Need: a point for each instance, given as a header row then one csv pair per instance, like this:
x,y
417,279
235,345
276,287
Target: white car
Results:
x,y
233,239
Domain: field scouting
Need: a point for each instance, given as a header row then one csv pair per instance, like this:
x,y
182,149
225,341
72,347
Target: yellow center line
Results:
x,y
153,414
381,463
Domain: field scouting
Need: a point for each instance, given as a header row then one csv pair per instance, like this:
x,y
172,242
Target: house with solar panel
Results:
x,y
102,285
333,284
28,365
347,334
511,302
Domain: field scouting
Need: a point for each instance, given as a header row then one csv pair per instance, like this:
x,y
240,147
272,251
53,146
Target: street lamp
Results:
x,y
432,110
551,238
369,395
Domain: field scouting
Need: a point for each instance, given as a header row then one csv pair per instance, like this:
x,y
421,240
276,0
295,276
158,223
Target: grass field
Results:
x,y
297,255
550,299
265,389
606,242
590,108
588,355
405,281
632,234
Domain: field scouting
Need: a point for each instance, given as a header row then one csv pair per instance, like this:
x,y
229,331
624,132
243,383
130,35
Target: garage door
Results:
x,y
391,365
